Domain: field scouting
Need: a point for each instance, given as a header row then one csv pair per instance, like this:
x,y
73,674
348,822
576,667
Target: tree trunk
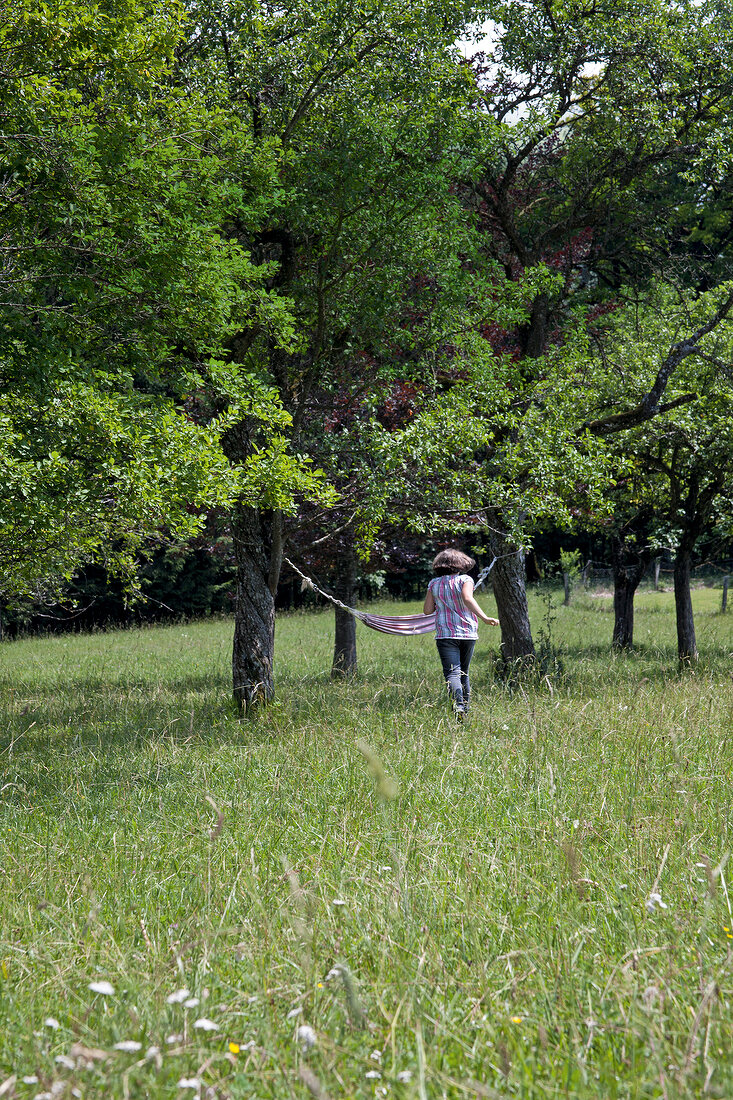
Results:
x,y
686,641
535,334
510,590
628,569
344,648
258,550
254,611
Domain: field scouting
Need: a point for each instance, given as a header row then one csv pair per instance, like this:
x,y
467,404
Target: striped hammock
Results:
x,y
386,624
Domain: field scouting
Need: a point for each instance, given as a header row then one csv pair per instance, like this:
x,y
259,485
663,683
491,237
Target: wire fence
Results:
x,y
597,576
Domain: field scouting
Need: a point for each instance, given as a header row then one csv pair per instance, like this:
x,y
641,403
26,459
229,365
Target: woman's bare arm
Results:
x,y
467,593
429,605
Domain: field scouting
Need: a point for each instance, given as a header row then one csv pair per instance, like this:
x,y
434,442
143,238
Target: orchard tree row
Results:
x,y
310,264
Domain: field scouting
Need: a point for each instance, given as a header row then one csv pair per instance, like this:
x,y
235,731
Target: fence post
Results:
x,y
566,586
724,601
657,567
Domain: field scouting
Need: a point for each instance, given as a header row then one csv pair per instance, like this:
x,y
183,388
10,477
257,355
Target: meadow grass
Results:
x,y
447,911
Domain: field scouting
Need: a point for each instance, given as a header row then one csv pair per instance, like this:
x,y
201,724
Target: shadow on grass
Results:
x,y
46,725
100,686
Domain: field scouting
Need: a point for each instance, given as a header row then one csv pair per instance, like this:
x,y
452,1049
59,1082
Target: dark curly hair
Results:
x,y
451,562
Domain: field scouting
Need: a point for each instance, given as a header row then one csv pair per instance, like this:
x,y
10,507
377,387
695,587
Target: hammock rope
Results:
x,y
385,624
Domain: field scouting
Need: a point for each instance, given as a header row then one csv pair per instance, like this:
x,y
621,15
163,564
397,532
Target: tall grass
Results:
x,y
542,910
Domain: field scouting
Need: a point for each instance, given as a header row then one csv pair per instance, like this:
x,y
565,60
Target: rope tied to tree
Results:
x,y
386,624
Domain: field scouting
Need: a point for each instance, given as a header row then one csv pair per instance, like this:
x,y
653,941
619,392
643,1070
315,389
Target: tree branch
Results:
x,y
650,405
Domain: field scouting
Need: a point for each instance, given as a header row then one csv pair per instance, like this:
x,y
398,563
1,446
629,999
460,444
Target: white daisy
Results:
x,y
206,1025
306,1036
105,988
177,997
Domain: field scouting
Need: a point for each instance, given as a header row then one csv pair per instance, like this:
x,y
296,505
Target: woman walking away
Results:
x,y
450,596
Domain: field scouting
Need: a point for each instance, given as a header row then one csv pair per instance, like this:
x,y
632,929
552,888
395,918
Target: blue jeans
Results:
x,y
455,655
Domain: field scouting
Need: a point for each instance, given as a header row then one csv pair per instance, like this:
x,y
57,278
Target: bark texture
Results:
x,y
686,640
344,648
629,567
254,613
510,590
258,549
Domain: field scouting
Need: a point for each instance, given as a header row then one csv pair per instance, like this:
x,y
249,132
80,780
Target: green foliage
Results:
x,y
679,466
86,474
570,562
366,228
120,285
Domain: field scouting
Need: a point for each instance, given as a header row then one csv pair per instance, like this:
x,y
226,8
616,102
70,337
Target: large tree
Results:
x,y
585,180
117,288
363,103
676,469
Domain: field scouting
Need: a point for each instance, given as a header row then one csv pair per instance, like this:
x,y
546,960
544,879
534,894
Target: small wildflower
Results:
x,y
152,1052
192,1002
404,1076
171,1039
338,902
205,1025
31,1079
306,1036
105,988
189,1083
128,1046
178,997
294,1012
376,1056
65,1061
373,1074
653,901
319,985
516,1019
51,1022
234,1048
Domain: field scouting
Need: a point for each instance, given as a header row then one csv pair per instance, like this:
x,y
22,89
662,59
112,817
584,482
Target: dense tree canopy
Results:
x,y
117,287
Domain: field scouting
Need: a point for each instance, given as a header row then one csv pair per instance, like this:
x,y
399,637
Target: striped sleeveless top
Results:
x,y
452,617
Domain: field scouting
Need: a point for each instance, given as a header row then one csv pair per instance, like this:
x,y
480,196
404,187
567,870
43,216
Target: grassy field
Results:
x,y
359,897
